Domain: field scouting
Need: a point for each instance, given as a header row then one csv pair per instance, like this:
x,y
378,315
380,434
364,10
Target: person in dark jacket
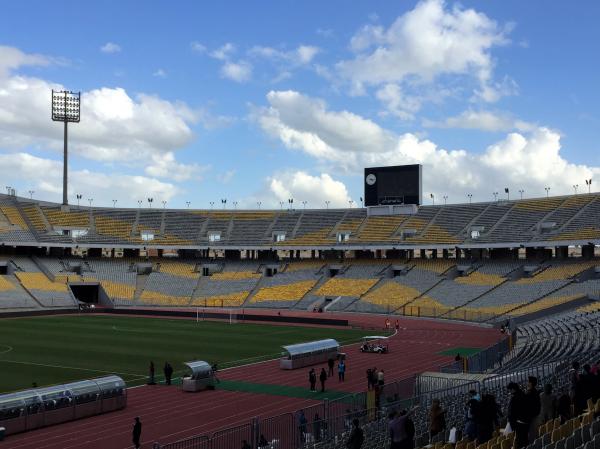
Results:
x,y
563,407
323,378
486,418
471,410
357,436
534,407
151,374
137,432
330,365
317,425
437,418
518,415
312,378
168,370
548,401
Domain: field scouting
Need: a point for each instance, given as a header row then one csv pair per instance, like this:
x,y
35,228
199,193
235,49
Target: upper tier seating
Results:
x,y
565,218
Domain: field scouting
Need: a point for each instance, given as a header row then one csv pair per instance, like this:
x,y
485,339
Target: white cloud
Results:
x,y
110,47
346,142
224,52
198,47
397,102
114,126
12,58
428,42
325,32
302,55
482,120
302,186
160,73
165,166
226,177
24,169
240,71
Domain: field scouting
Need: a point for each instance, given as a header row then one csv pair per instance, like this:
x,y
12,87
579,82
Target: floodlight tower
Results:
x,y
66,107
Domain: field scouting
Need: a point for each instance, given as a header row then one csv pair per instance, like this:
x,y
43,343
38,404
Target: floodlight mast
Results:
x,y
66,107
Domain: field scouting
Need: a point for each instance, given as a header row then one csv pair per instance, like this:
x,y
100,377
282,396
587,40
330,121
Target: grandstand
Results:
x,y
480,262
530,263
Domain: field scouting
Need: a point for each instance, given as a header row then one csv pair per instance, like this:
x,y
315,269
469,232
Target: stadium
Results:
x,y
277,228
436,281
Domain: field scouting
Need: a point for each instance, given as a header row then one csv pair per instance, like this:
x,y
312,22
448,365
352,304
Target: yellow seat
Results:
x,y
556,435
506,444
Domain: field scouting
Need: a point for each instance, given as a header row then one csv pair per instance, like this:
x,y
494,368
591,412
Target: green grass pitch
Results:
x,y
50,350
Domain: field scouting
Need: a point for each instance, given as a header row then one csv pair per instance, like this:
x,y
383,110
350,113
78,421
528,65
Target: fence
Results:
x,y
483,360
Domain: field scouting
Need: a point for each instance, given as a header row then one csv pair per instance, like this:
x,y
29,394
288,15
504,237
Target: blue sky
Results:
x,y
259,102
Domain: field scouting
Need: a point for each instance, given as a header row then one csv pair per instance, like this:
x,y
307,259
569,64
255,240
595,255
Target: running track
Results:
x,y
168,414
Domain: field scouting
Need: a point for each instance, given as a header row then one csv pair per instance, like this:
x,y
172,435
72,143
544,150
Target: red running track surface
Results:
x,y
168,414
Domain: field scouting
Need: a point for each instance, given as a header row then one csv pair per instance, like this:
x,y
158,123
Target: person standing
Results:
x,y
357,436
518,415
437,419
312,378
323,378
369,378
317,424
137,432
151,374
302,422
397,429
548,401
380,379
330,364
341,371
534,407
168,369
397,325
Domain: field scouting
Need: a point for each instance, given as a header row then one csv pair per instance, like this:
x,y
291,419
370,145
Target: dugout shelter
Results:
x,y
310,353
40,407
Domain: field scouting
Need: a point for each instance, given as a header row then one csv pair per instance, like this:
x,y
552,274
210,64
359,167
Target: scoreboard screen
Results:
x,y
401,184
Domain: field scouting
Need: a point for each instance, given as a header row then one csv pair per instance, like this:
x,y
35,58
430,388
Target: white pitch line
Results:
x,y
6,351
70,367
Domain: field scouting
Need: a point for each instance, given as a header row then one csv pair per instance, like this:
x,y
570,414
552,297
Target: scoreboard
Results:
x,y
400,184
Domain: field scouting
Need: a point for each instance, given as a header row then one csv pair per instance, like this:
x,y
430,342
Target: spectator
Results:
x,y
398,434
380,379
302,422
317,424
246,445
579,391
588,384
486,418
548,401
262,442
574,378
323,378
357,436
437,418
409,426
518,415
534,407
330,364
137,432
470,414
341,371
563,407
312,378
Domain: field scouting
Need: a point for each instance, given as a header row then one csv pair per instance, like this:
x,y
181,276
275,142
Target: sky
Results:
x,y
259,102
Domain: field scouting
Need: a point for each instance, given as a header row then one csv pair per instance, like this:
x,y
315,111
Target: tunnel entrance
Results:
x,y
87,293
